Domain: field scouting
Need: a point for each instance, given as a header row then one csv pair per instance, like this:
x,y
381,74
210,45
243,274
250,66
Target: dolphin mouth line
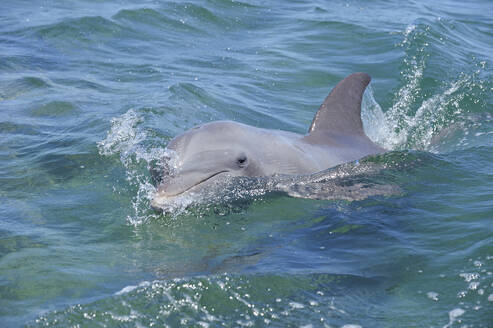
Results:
x,y
200,182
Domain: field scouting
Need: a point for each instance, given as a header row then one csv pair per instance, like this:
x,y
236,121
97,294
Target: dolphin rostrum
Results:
x,y
221,149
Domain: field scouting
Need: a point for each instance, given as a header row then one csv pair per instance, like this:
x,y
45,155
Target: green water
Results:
x,y
92,91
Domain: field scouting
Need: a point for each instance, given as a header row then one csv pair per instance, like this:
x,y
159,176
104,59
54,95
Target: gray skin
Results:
x,y
214,150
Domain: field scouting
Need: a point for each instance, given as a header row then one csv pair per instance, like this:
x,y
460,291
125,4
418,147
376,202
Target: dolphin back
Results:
x,y
340,112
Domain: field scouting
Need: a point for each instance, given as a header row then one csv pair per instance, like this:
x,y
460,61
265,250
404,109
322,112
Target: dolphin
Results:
x,y
212,151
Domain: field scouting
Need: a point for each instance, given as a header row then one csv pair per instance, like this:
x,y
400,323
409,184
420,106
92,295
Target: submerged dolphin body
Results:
x,y
221,149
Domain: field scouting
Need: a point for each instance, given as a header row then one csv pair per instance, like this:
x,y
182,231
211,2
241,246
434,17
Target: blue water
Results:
x,y
92,91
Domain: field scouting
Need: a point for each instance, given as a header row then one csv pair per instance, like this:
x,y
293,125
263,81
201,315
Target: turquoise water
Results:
x,y
92,91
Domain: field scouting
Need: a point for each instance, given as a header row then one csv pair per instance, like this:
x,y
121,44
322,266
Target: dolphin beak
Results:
x,y
184,181
196,172
181,182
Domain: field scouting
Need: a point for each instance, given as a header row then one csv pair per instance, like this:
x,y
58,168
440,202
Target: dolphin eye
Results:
x,y
242,161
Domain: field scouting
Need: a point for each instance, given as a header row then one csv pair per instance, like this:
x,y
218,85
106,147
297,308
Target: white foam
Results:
x,y
468,277
123,134
296,305
408,123
453,315
432,296
397,128
126,138
130,288
127,289
473,285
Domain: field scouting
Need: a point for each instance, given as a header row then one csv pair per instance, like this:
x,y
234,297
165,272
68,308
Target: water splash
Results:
x,y
397,130
127,139
426,112
123,136
453,315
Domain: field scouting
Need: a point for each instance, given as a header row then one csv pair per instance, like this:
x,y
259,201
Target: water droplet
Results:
x,y
432,295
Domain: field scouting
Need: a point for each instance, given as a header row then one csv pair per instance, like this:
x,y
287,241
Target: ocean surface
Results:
x,y
91,92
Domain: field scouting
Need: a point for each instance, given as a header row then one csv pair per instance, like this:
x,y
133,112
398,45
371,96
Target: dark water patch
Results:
x,y
80,36
59,167
204,15
477,161
11,243
82,84
229,105
30,141
195,95
216,18
85,30
336,237
29,290
233,4
57,143
131,74
45,161
140,73
180,18
155,19
55,109
472,12
26,63
9,128
88,128
458,41
223,63
23,180
15,88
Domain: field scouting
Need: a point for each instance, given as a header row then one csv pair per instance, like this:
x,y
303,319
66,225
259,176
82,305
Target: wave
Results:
x,y
244,301
427,110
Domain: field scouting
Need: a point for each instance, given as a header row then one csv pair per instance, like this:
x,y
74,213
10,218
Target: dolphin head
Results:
x,y
205,155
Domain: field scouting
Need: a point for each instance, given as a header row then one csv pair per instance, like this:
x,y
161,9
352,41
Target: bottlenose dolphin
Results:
x,y
218,149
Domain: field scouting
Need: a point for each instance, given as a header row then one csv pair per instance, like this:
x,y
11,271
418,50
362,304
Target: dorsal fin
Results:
x,y
341,110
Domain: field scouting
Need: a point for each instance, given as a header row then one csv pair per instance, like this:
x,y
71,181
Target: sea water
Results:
x,y
92,91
